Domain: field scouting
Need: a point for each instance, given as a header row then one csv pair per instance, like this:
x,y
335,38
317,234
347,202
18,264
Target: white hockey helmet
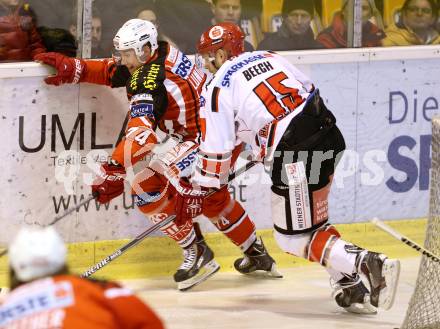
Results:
x,y
135,34
36,253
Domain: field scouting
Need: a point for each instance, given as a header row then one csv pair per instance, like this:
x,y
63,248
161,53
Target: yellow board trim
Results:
x,y
160,256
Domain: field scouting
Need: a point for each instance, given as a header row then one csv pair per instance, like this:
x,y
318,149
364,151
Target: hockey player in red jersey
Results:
x,y
163,87
45,295
261,99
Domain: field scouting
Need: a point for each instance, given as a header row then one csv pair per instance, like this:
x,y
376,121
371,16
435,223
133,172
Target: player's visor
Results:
x,y
117,57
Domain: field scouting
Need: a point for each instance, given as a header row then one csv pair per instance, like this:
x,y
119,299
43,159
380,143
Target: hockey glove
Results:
x,y
189,201
110,183
69,70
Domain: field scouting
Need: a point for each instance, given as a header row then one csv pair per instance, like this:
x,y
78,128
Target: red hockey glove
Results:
x,y
110,183
69,70
189,201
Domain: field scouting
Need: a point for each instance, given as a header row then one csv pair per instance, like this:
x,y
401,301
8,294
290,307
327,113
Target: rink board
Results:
x,y
53,139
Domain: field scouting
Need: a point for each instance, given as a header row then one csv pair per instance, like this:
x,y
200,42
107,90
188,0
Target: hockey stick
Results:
x,y
71,210
66,213
376,221
127,246
153,228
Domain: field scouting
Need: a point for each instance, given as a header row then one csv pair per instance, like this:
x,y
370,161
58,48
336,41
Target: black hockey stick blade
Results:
x,y
127,246
66,213
76,208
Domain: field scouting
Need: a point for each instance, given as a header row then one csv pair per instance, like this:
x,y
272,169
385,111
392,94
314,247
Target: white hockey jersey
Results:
x,y
251,99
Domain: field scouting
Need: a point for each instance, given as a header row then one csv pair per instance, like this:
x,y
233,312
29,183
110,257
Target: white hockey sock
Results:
x,y
343,257
335,275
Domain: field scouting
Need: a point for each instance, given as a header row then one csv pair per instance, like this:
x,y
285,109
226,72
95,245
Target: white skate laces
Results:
x,y
189,257
198,265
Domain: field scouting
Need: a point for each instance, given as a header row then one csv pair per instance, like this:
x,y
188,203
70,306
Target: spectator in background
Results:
x,y
184,21
335,36
148,12
19,39
416,25
53,13
229,11
39,277
295,31
72,26
98,50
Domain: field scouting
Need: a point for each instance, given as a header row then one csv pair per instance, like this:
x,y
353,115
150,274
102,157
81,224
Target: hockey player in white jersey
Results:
x,y
261,99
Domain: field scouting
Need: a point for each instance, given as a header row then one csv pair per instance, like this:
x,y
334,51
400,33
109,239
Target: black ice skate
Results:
x,y
383,275
351,294
198,265
257,258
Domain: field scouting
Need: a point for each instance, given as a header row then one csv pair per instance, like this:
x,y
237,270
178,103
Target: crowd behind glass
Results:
x,y
31,27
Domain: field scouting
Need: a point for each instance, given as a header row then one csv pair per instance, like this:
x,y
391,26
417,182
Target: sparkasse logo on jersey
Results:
x,y
234,68
187,161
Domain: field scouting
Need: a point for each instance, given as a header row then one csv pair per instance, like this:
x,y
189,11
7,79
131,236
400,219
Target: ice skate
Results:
x,y
351,294
257,258
383,275
198,265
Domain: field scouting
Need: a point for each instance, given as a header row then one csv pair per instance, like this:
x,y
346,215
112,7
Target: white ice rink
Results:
x,y
300,300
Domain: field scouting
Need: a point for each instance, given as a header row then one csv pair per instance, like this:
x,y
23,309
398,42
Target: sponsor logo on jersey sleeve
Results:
x,y
184,66
142,110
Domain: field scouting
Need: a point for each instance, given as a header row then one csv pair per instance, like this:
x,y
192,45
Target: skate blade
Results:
x,y
361,309
205,272
272,273
391,272
364,308
3,292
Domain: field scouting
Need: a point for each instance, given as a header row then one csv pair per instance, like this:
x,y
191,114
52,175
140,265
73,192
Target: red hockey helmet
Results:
x,y
222,35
